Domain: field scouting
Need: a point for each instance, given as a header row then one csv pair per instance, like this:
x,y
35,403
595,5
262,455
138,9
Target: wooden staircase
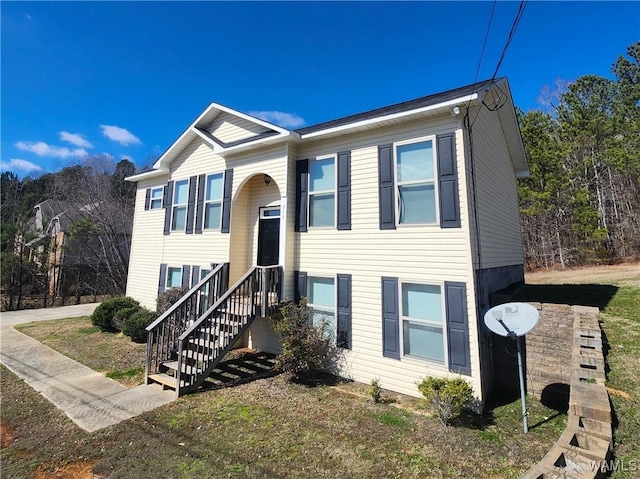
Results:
x,y
184,348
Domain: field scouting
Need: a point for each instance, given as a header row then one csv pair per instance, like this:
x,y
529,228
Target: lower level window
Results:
x,y
321,301
422,322
174,277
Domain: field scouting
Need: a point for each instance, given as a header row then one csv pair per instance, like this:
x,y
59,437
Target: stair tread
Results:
x,y
174,366
164,379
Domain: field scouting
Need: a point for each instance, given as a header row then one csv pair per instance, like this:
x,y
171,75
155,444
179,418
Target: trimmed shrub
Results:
x,y
104,315
121,317
305,348
169,298
446,397
135,326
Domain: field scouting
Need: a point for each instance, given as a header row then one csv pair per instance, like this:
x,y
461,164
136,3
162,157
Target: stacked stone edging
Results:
x,y
584,447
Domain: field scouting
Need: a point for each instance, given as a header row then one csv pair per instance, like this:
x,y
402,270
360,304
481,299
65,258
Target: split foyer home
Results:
x,y
396,224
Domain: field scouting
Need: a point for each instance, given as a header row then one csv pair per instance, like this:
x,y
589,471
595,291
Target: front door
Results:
x,y
269,236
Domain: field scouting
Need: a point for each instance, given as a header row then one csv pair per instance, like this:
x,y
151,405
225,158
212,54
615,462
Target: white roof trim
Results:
x,y
147,174
393,116
250,118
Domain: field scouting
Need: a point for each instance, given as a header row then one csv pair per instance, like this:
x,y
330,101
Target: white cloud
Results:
x,y
280,118
40,148
75,139
18,164
121,135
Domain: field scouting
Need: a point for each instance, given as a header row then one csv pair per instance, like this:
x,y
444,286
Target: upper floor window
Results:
x,y
415,174
321,301
422,321
180,197
174,277
322,186
156,198
213,201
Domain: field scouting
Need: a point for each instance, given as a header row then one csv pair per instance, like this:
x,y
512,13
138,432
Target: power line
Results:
x,y
484,44
514,27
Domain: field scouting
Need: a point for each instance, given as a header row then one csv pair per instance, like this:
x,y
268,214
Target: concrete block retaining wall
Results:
x,y
587,441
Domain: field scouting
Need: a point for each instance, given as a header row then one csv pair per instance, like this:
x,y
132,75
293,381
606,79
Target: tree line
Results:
x,y
81,246
581,204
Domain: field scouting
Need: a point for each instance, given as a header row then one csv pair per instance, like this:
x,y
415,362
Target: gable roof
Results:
x,y
263,132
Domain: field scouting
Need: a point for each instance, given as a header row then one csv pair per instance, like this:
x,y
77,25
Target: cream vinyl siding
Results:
x,y
211,246
411,253
146,248
228,128
263,338
497,194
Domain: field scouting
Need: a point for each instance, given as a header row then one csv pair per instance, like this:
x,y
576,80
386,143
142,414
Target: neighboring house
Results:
x,y
70,259
396,224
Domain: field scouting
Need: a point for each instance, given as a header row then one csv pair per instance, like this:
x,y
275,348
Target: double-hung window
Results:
x,y
174,277
415,180
179,213
322,192
156,198
213,201
422,313
321,301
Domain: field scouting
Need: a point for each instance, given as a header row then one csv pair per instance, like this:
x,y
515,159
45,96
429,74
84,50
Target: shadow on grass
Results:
x,y
597,295
241,369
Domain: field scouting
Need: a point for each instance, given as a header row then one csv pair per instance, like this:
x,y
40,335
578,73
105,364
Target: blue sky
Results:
x,y
126,78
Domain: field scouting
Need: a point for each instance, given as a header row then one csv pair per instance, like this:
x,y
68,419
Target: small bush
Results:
x,y
305,348
169,298
445,397
375,391
104,315
122,315
135,326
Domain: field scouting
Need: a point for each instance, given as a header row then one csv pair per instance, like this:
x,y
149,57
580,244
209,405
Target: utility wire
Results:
x,y
514,27
484,44
502,96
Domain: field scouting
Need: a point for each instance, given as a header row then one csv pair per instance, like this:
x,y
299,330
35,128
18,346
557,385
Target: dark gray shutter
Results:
x,y
344,190
226,200
300,286
390,318
457,327
195,275
168,200
191,203
344,311
448,182
147,199
386,195
163,278
302,194
200,205
186,271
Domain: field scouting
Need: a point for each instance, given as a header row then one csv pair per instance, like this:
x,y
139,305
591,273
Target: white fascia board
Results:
x,y
159,161
252,119
147,174
287,136
393,116
216,146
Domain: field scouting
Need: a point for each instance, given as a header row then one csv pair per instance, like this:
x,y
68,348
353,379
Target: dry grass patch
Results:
x,y
113,355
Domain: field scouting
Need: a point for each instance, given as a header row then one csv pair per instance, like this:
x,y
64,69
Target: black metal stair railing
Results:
x,y
163,334
205,342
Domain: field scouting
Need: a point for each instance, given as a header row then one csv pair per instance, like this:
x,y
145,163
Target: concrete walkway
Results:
x,y
90,399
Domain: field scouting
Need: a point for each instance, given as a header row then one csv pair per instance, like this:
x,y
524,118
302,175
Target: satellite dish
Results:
x,y
511,319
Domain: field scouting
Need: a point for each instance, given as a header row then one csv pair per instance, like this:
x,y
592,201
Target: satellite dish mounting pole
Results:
x,y
523,399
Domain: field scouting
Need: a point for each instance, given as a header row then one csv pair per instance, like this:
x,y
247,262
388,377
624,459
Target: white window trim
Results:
x,y
151,198
322,307
207,202
397,184
320,192
169,268
443,324
264,209
175,205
